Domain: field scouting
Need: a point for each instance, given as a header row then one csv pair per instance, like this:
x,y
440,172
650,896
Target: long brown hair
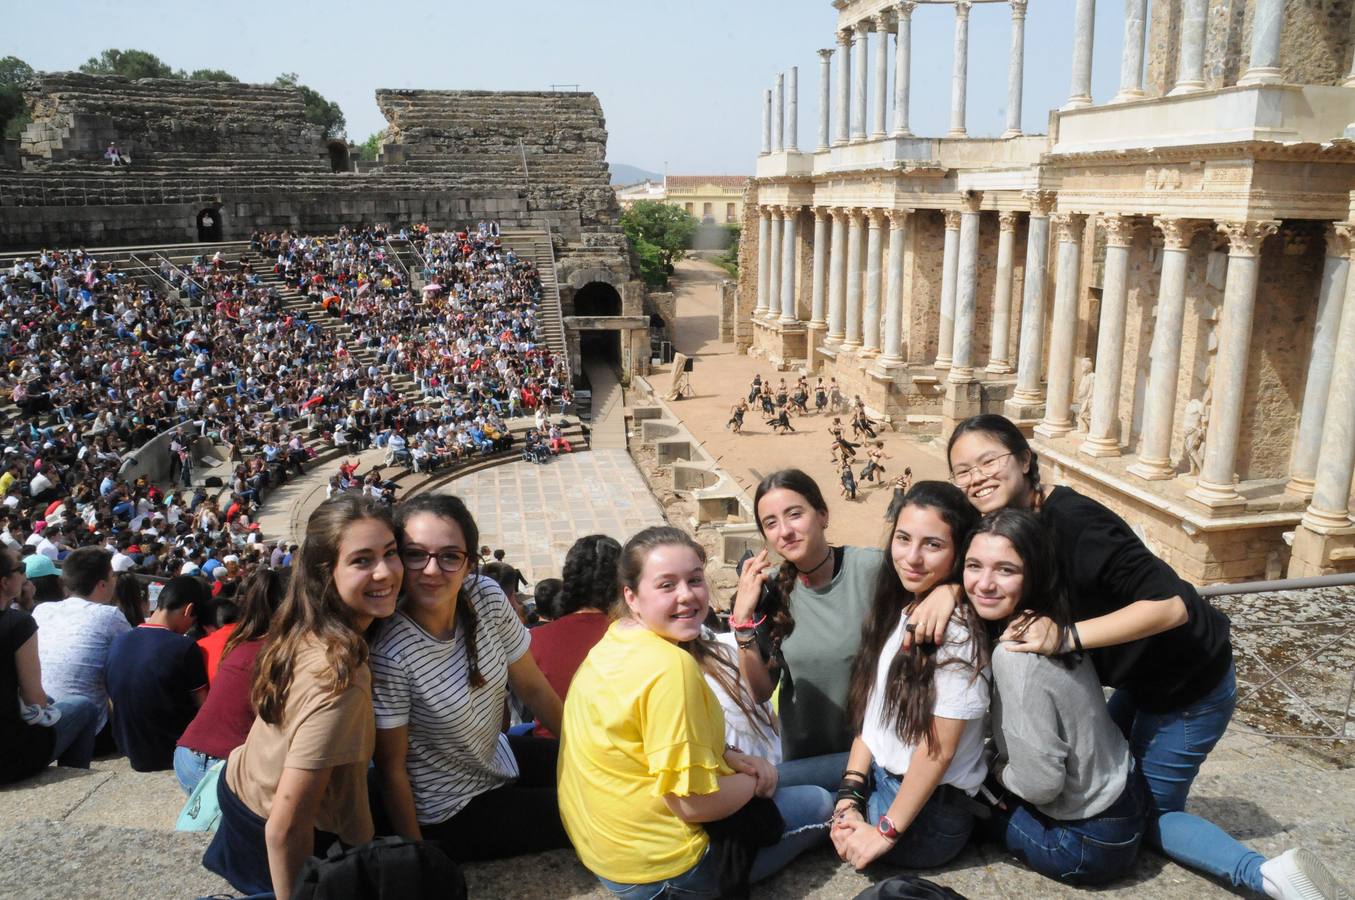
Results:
x,y
313,610
777,600
259,601
708,653
910,685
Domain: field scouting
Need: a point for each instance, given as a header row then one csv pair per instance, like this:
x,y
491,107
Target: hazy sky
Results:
x,y
680,82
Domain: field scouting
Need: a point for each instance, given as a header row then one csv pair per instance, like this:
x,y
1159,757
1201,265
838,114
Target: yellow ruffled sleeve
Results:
x,y
683,731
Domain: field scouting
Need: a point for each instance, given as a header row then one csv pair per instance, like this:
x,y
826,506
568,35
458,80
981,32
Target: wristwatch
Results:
x,y
888,830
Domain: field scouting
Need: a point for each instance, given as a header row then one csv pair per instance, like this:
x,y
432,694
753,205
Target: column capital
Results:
x,y
765,210
826,53
1041,202
854,214
876,217
1018,8
844,38
1006,221
1119,229
862,27
952,219
821,214
1177,233
1340,238
904,8
1244,238
970,200
898,217
1069,226
883,20
962,9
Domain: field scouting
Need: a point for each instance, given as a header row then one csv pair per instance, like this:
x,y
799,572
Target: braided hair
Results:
x,y
776,602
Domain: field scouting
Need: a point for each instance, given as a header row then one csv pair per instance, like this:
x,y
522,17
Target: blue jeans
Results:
x,y
190,766
1170,748
824,771
1083,851
74,731
805,810
938,834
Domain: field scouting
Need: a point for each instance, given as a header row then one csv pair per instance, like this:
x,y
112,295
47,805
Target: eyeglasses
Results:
x,y
448,560
985,469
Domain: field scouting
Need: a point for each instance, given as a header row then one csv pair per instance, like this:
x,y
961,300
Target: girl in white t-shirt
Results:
x,y
919,714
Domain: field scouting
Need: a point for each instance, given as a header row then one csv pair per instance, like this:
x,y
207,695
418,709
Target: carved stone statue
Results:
x,y
1082,401
1196,425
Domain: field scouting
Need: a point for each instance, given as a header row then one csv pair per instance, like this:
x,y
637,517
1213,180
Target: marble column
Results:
x,y
1215,486
950,260
816,292
1016,69
960,72
1164,356
1330,508
793,110
966,291
1322,359
999,344
861,44
779,115
1267,25
837,277
855,246
1030,354
903,56
1084,23
1190,59
774,264
893,337
766,122
1103,439
764,258
870,315
1058,417
825,91
789,257
880,96
1131,57
842,124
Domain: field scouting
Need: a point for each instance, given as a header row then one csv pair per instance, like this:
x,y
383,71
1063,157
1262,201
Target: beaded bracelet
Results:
x,y
746,626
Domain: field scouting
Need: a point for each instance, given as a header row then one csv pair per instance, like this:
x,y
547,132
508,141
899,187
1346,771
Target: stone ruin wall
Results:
x,y
167,124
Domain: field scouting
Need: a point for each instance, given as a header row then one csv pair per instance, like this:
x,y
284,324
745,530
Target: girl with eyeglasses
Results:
x,y
442,668
1152,638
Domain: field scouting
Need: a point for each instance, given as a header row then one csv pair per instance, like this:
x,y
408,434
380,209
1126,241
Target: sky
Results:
x,y
680,82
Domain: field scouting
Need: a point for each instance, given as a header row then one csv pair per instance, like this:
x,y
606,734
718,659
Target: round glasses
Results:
x,y
448,560
985,469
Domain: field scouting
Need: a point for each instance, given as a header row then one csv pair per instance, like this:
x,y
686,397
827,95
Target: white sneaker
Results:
x,y
1298,874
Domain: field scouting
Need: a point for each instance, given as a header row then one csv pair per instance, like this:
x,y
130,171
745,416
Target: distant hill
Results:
x,y
624,174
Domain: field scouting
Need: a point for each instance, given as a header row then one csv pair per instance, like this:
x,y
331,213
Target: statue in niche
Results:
x,y
1082,400
1196,426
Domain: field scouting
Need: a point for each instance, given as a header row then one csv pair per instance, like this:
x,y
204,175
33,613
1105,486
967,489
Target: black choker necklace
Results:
x,y
804,576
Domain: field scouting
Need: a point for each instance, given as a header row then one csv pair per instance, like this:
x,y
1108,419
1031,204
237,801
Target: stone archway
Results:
x,y
209,224
338,156
597,298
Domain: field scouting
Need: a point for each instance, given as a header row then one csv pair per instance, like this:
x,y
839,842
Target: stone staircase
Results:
x,y
536,246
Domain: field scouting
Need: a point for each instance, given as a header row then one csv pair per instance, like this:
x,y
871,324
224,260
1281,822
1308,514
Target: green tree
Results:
x,y
729,260
212,75
322,112
666,227
129,63
13,111
371,148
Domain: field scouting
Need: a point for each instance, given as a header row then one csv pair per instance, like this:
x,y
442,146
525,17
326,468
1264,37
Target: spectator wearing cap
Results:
x,y
46,580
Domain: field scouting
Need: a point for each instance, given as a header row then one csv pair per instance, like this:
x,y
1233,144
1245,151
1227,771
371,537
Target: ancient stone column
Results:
x,y
774,263
764,258
1330,508
1030,354
1215,486
1131,58
789,255
1084,20
843,122
880,98
1016,68
1322,359
793,110
870,317
903,49
950,263
1164,357
837,277
855,245
816,293
966,290
1058,417
960,73
766,122
825,79
1000,341
893,337
861,43
779,115
1190,61
1266,26
1103,439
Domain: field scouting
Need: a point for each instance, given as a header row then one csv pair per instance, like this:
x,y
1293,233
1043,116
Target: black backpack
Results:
x,y
908,887
385,869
